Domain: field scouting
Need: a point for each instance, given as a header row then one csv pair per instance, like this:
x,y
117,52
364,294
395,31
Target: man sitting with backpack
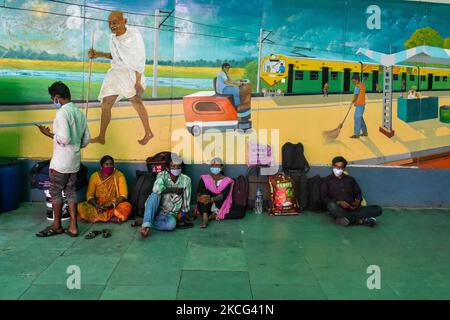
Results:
x,y
171,197
342,195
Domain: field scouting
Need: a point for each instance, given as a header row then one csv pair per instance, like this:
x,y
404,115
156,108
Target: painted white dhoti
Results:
x,y
128,57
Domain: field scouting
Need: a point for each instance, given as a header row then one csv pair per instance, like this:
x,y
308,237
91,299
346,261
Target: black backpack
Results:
x,y
295,165
141,191
315,202
40,176
157,163
293,157
240,191
82,177
240,196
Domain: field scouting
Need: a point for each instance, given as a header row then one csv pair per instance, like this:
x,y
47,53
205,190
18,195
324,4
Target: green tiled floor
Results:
x,y
259,257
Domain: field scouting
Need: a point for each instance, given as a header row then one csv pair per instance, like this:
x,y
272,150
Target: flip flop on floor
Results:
x,y
106,233
92,234
136,223
185,225
116,220
48,232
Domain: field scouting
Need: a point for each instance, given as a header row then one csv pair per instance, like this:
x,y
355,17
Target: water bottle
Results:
x,y
259,201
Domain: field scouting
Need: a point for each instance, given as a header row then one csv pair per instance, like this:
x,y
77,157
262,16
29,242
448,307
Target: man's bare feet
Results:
x,y
212,217
146,138
98,140
145,232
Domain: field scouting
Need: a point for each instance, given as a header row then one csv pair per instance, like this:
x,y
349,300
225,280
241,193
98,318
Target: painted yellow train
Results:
x,y
299,75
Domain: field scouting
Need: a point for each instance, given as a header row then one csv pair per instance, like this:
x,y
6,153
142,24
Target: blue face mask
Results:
x,y
175,172
57,104
215,170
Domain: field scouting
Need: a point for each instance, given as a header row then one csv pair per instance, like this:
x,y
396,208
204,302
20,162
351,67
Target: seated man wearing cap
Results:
x,y
342,195
171,196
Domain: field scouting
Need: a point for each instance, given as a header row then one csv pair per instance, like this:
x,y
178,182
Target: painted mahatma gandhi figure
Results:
x,y
125,78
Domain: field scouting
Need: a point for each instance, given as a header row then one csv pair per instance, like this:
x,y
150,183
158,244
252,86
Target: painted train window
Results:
x,y
275,66
314,75
298,75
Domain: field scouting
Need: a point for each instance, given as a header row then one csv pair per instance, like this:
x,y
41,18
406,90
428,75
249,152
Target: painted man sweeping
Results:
x,y
125,78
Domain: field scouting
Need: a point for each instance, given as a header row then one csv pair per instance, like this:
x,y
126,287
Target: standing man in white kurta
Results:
x,y
125,78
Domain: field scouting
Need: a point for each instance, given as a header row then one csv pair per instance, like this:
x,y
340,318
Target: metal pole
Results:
x,y
155,56
258,80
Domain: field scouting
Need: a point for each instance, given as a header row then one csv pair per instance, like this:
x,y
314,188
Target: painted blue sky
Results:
x,y
332,29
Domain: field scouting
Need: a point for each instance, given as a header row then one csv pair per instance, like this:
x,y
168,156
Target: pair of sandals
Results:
x,y
106,233
49,231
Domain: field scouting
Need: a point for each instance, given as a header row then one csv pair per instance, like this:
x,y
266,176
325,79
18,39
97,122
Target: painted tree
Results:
x,y
424,36
251,72
447,43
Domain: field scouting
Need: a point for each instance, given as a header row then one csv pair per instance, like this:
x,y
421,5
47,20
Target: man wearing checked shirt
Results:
x,y
171,195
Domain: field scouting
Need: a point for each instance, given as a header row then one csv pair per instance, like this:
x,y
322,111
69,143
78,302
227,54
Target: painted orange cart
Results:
x,y
205,110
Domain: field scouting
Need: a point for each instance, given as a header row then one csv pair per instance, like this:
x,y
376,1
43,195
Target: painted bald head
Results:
x,y
117,23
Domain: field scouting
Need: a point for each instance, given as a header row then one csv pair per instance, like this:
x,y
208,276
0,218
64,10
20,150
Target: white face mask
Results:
x,y
338,172
57,103
175,172
215,170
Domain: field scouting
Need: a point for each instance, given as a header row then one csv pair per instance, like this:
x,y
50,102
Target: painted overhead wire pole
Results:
x,y
258,81
262,38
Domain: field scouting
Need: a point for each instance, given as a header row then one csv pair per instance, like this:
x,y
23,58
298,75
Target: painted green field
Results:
x,y
102,67
31,90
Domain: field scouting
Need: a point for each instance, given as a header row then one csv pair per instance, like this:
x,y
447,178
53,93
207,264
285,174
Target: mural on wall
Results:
x,y
167,70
